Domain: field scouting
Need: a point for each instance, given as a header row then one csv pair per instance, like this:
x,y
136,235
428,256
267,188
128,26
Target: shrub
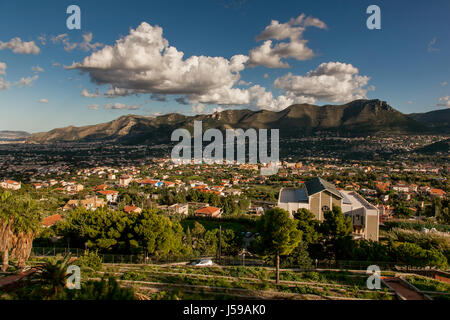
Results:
x,y
90,259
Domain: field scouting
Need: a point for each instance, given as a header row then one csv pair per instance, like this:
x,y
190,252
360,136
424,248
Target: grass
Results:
x,y
427,284
341,284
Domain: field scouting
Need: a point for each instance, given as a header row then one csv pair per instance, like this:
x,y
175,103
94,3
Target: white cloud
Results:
x,y
4,85
42,39
270,55
244,83
444,83
27,81
2,68
121,106
93,106
87,94
331,81
266,75
64,39
143,62
56,64
19,46
43,101
86,45
444,102
37,69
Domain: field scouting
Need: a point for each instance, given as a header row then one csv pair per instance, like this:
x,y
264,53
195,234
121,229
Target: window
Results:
x,y
325,208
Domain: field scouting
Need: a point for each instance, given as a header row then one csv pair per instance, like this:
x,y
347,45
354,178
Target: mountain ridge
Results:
x,y
356,118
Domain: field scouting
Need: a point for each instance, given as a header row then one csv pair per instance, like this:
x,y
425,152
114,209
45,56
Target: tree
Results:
x,y
337,231
278,235
54,273
20,221
308,224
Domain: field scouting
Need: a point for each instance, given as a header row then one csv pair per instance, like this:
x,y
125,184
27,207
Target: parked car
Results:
x,y
201,263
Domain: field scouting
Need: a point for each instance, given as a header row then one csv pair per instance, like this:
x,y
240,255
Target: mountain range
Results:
x,y
7,135
356,118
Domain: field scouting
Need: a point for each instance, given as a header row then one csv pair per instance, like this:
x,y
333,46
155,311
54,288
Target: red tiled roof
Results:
x,y
129,209
207,210
49,221
107,192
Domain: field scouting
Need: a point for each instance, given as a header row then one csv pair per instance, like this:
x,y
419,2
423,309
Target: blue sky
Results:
x,y
406,63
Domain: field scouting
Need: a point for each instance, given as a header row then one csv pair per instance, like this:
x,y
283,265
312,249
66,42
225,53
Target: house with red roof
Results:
x,y
134,209
51,220
111,195
10,184
209,211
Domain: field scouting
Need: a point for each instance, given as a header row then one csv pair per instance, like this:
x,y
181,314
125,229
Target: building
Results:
x,y
91,203
134,209
51,220
209,212
178,208
319,196
111,195
11,185
125,180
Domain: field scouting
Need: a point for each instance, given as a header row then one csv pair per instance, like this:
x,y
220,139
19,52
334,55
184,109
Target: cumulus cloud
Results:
x,y
19,46
4,85
270,54
43,101
331,81
27,81
93,106
2,68
42,39
444,102
37,69
444,83
120,106
64,39
143,62
85,45
85,93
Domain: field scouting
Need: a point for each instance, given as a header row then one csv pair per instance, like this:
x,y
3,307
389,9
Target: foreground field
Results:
x,y
184,282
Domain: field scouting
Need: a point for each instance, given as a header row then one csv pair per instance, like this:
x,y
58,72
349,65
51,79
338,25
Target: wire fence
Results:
x,y
242,260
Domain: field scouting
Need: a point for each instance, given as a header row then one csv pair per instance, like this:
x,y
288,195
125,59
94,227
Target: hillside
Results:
x,y
357,118
7,135
439,120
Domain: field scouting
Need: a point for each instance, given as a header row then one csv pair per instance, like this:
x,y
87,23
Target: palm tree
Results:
x,y
20,220
54,273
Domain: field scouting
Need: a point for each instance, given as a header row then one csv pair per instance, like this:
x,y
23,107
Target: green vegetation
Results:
x,y
279,235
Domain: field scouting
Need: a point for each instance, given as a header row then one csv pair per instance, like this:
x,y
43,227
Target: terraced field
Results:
x,y
168,282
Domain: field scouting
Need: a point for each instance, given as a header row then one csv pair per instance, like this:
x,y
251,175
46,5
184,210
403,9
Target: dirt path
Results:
x,y
15,277
399,287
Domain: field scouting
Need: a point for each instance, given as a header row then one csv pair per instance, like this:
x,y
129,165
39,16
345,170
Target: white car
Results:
x,y
202,263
